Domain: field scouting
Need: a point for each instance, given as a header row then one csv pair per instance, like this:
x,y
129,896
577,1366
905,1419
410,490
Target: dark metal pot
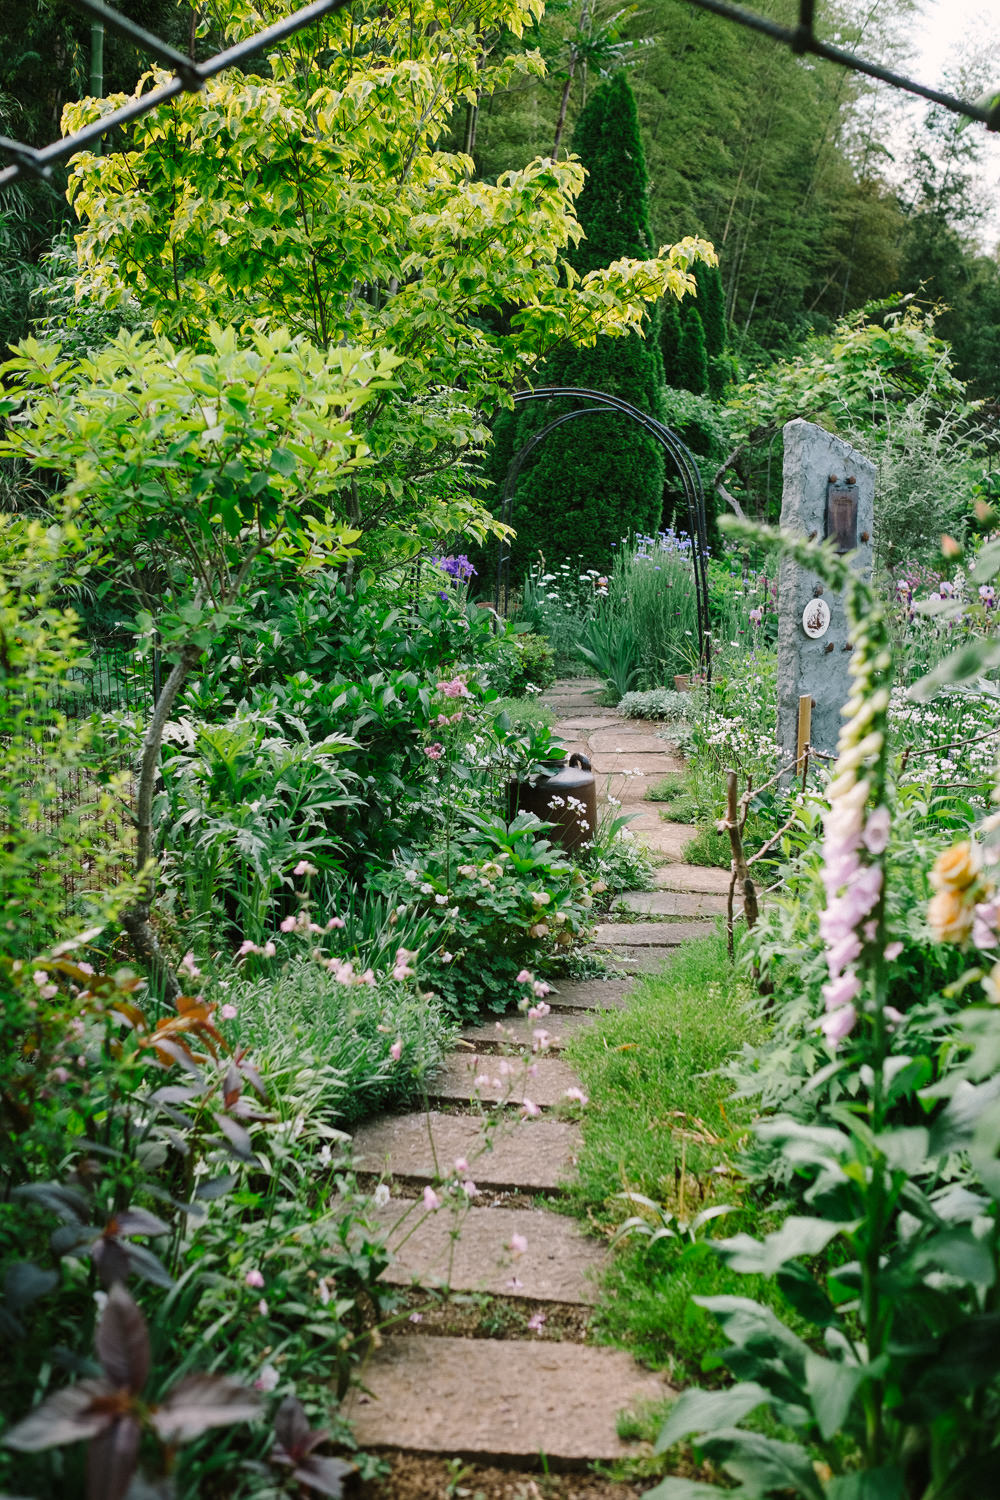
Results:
x,y
565,796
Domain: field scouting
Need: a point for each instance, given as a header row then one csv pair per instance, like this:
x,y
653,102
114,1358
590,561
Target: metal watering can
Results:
x,y
563,794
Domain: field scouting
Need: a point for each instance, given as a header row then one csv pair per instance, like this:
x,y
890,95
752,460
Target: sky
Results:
x,y
945,27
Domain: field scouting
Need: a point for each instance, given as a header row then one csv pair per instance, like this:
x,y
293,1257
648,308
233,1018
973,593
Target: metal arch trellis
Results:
x,y
601,403
802,38
189,77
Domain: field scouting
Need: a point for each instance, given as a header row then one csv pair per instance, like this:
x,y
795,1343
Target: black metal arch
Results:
x,y
600,403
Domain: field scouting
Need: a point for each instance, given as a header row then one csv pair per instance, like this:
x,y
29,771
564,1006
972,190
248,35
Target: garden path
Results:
x,y
517,1264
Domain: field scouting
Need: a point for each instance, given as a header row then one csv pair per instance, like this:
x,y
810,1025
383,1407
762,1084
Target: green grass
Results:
x,y
709,847
675,793
658,1122
526,713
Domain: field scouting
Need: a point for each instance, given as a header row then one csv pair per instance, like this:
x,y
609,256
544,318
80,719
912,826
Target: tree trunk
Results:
x,y
135,918
563,106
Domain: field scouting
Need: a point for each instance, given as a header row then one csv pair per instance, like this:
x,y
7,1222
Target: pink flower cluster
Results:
x,y
343,972
853,888
456,688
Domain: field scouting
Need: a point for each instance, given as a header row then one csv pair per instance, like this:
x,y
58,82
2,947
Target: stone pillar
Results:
x,y
817,664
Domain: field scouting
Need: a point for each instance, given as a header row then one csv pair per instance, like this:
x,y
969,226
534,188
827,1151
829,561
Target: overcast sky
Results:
x,y
946,29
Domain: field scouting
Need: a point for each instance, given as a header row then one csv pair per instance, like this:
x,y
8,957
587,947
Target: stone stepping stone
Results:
x,y
531,1156
681,877
470,1253
588,994
630,789
633,961
598,718
629,741
651,934
508,1081
499,1401
675,903
660,836
660,763
515,1031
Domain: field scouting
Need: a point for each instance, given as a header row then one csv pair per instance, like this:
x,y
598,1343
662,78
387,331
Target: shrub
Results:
x,y
507,898
351,1049
534,664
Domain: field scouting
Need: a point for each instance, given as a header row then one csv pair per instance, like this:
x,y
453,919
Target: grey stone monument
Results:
x,y
829,490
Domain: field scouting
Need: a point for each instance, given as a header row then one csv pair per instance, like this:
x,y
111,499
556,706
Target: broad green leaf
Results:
x,y
797,1236
688,1489
868,1484
762,1463
832,1386
964,665
698,1411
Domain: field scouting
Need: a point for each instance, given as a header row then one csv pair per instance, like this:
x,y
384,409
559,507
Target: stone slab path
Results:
x,y
499,1401
533,1156
501,1122
561,1263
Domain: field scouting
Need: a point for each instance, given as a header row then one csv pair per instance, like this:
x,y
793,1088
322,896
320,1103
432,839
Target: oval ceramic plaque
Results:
x,y
816,618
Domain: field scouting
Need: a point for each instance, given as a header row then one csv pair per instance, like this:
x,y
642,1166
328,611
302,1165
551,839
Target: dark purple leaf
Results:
x,y
68,1416
111,1257
24,1282
246,1109
291,1427
178,1052
174,1093
325,1475
232,1088
254,1079
122,1341
70,1237
111,1460
199,1402
138,1221
216,1187
66,1202
147,1265
237,1139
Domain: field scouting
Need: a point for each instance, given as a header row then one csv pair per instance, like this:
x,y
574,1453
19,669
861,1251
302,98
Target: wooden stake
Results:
x,y
805,728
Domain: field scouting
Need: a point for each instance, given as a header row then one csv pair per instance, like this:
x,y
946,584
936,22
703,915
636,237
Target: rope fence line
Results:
x,y
189,77
803,39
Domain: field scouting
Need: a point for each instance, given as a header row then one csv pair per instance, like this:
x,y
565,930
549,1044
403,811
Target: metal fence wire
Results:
x,y
189,76
802,39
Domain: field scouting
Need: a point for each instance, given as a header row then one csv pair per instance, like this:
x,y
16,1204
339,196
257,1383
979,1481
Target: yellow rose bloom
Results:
x,y
949,916
955,868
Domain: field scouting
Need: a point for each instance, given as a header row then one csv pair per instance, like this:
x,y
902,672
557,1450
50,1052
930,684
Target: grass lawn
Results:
x,y
660,1123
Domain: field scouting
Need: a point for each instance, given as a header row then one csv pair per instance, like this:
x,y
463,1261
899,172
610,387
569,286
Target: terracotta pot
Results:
x,y
682,682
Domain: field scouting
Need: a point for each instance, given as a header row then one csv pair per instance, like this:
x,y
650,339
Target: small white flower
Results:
x,y
381,1195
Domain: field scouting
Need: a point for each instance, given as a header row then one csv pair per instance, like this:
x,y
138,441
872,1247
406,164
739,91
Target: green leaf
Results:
x,y
832,1386
696,1410
870,1484
964,665
957,1252
283,462
763,1463
797,1236
687,1489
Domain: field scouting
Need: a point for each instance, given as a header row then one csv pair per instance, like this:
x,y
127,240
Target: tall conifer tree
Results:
x,y
599,477
692,363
